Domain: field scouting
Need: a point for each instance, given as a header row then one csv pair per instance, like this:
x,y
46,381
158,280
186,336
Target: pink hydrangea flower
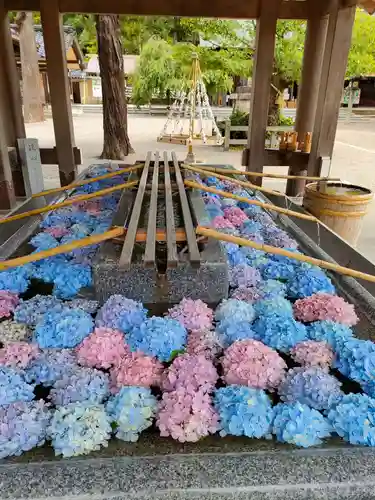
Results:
x,y
102,349
191,372
251,363
325,307
204,342
311,353
187,416
57,231
135,368
192,314
18,354
235,215
220,222
8,302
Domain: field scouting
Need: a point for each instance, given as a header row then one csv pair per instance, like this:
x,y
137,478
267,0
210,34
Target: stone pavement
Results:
x,y
353,160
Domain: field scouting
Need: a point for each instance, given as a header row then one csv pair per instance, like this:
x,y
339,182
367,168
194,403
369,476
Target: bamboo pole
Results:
x,y
273,176
68,247
266,206
87,181
68,202
248,185
211,233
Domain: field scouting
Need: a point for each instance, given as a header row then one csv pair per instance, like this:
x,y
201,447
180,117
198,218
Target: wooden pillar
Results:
x,y
59,88
331,83
261,82
316,34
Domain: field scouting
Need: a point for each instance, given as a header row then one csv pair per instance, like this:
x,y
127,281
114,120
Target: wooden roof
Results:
x,y
368,5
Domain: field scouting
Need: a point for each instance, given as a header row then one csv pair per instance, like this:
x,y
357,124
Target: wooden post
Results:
x,y
227,135
309,90
330,89
59,88
261,82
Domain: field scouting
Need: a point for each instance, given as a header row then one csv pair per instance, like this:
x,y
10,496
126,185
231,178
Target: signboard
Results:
x,y
356,95
97,87
31,166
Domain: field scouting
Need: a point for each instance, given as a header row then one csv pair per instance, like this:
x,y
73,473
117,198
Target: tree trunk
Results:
x,y
31,80
116,141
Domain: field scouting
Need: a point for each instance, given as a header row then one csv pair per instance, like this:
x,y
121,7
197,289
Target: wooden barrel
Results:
x,y
340,206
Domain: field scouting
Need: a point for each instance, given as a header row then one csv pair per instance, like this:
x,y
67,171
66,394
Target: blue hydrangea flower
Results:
x,y
279,331
82,385
244,275
121,313
16,279
255,258
31,311
159,337
57,218
329,331
70,279
277,270
353,418
213,210
43,241
23,427
300,425
356,359
276,305
243,411
308,282
312,386
51,365
236,258
48,269
13,387
271,289
277,237
231,332
79,428
132,410
235,311
62,329
228,202
250,210
250,226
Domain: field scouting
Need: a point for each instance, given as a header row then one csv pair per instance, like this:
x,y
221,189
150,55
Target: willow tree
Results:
x,y
115,125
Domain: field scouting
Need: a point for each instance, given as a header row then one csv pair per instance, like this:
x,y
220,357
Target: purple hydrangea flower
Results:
x,y
121,313
244,275
13,387
234,310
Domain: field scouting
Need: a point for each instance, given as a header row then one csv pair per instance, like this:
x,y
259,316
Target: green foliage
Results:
x,y
285,120
361,59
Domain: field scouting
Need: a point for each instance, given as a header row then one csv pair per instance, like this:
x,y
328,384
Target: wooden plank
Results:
x,y
172,258
330,89
194,254
161,235
127,249
49,156
150,257
193,8
59,89
261,83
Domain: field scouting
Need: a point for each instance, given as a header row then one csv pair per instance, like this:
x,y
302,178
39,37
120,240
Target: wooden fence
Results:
x,y
271,141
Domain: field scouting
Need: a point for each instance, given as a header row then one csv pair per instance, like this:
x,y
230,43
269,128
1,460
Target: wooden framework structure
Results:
x,y
329,27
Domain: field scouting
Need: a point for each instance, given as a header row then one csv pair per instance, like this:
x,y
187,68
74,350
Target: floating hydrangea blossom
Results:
x,y
8,302
219,222
192,314
31,311
312,386
121,313
279,331
78,429
243,411
235,215
63,329
18,354
11,331
230,331
335,334
325,307
138,369
43,241
309,282
312,353
132,411
159,337
251,363
234,310
103,348
186,415
356,359
23,427
82,385
278,238
192,372
204,342
298,424
15,280
244,276
276,305
70,279
277,270
13,387
51,365
353,418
